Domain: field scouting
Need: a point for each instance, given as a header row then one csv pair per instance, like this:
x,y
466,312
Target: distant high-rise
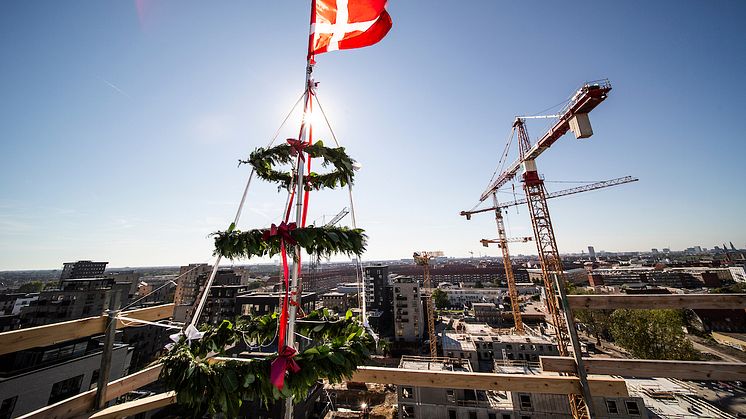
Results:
x,y
654,250
82,269
376,279
187,286
408,323
592,252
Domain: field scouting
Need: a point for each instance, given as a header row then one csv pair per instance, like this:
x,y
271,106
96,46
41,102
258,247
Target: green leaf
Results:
x,y
248,379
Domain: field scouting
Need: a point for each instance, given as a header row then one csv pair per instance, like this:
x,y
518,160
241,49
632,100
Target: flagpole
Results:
x,y
295,296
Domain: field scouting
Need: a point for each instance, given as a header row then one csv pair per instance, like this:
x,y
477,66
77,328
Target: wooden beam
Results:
x,y
435,379
648,301
683,370
18,340
134,407
83,402
132,382
549,384
68,408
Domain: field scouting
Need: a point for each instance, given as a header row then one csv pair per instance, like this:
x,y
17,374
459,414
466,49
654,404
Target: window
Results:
x,y
611,407
64,389
491,416
407,411
407,392
525,400
94,380
506,415
451,414
472,415
632,408
6,408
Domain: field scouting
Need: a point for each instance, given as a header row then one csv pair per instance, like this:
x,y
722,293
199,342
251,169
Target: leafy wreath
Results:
x,y
263,161
318,241
208,386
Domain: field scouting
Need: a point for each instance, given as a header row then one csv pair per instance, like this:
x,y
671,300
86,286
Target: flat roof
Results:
x,y
434,364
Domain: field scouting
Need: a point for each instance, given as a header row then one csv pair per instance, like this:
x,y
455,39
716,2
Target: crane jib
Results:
x,y
585,100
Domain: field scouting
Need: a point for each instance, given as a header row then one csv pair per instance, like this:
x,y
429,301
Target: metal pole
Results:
x,y
111,331
295,280
575,342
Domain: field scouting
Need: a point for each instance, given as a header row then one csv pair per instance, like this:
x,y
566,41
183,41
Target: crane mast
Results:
x,y
510,278
552,273
423,259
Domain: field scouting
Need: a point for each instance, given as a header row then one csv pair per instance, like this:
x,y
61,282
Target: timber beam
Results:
x,y
18,340
658,301
648,368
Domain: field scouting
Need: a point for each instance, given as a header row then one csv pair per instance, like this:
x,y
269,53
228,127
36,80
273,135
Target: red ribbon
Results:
x,y
281,365
297,147
283,230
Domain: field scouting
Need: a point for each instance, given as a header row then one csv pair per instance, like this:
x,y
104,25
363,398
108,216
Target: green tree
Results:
x,y
440,298
652,334
33,286
596,322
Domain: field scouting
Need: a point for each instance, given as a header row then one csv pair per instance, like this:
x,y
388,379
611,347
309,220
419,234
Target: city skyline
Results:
x,y
121,130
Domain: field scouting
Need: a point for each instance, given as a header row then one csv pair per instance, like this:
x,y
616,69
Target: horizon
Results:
x,y
122,126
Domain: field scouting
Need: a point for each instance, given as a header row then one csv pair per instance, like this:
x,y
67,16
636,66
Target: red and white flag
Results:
x,y
347,24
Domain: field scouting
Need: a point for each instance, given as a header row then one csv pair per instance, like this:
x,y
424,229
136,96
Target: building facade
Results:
x,y
408,316
83,269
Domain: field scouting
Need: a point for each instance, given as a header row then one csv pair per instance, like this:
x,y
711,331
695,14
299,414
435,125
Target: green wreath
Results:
x,y
263,160
318,241
209,387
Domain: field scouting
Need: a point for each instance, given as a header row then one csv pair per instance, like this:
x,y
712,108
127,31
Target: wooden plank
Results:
x,y
83,403
51,334
132,382
683,370
134,407
68,408
691,301
548,384
151,314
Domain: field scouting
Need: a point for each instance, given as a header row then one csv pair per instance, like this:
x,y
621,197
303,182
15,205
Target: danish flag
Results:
x,y
347,24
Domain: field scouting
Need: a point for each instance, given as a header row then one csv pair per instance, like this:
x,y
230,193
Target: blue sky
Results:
x,y
119,133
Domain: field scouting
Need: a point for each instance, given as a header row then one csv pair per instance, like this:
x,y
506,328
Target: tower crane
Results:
x,y
503,241
584,188
574,116
315,261
423,259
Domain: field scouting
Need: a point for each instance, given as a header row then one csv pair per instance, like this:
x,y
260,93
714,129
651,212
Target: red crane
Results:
x,y
574,116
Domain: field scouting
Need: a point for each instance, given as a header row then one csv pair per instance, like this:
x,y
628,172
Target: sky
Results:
x,y
121,123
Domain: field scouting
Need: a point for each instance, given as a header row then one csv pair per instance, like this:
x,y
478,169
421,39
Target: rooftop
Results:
x,y
434,364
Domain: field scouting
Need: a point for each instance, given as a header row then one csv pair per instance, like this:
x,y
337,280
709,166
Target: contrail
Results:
x,y
115,87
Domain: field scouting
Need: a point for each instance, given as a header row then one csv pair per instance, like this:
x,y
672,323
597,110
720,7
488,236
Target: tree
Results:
x,y
440,298
33,286
652,334
596,322
478,284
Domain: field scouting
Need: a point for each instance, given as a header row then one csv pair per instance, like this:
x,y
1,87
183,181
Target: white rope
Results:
x,y
359,274
127,321
169,282
206,292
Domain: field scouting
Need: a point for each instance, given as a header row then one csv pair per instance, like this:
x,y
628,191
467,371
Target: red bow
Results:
x,y
281,364
297,147
283,230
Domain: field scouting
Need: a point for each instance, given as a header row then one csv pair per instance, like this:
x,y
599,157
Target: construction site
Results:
x,y
431,335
